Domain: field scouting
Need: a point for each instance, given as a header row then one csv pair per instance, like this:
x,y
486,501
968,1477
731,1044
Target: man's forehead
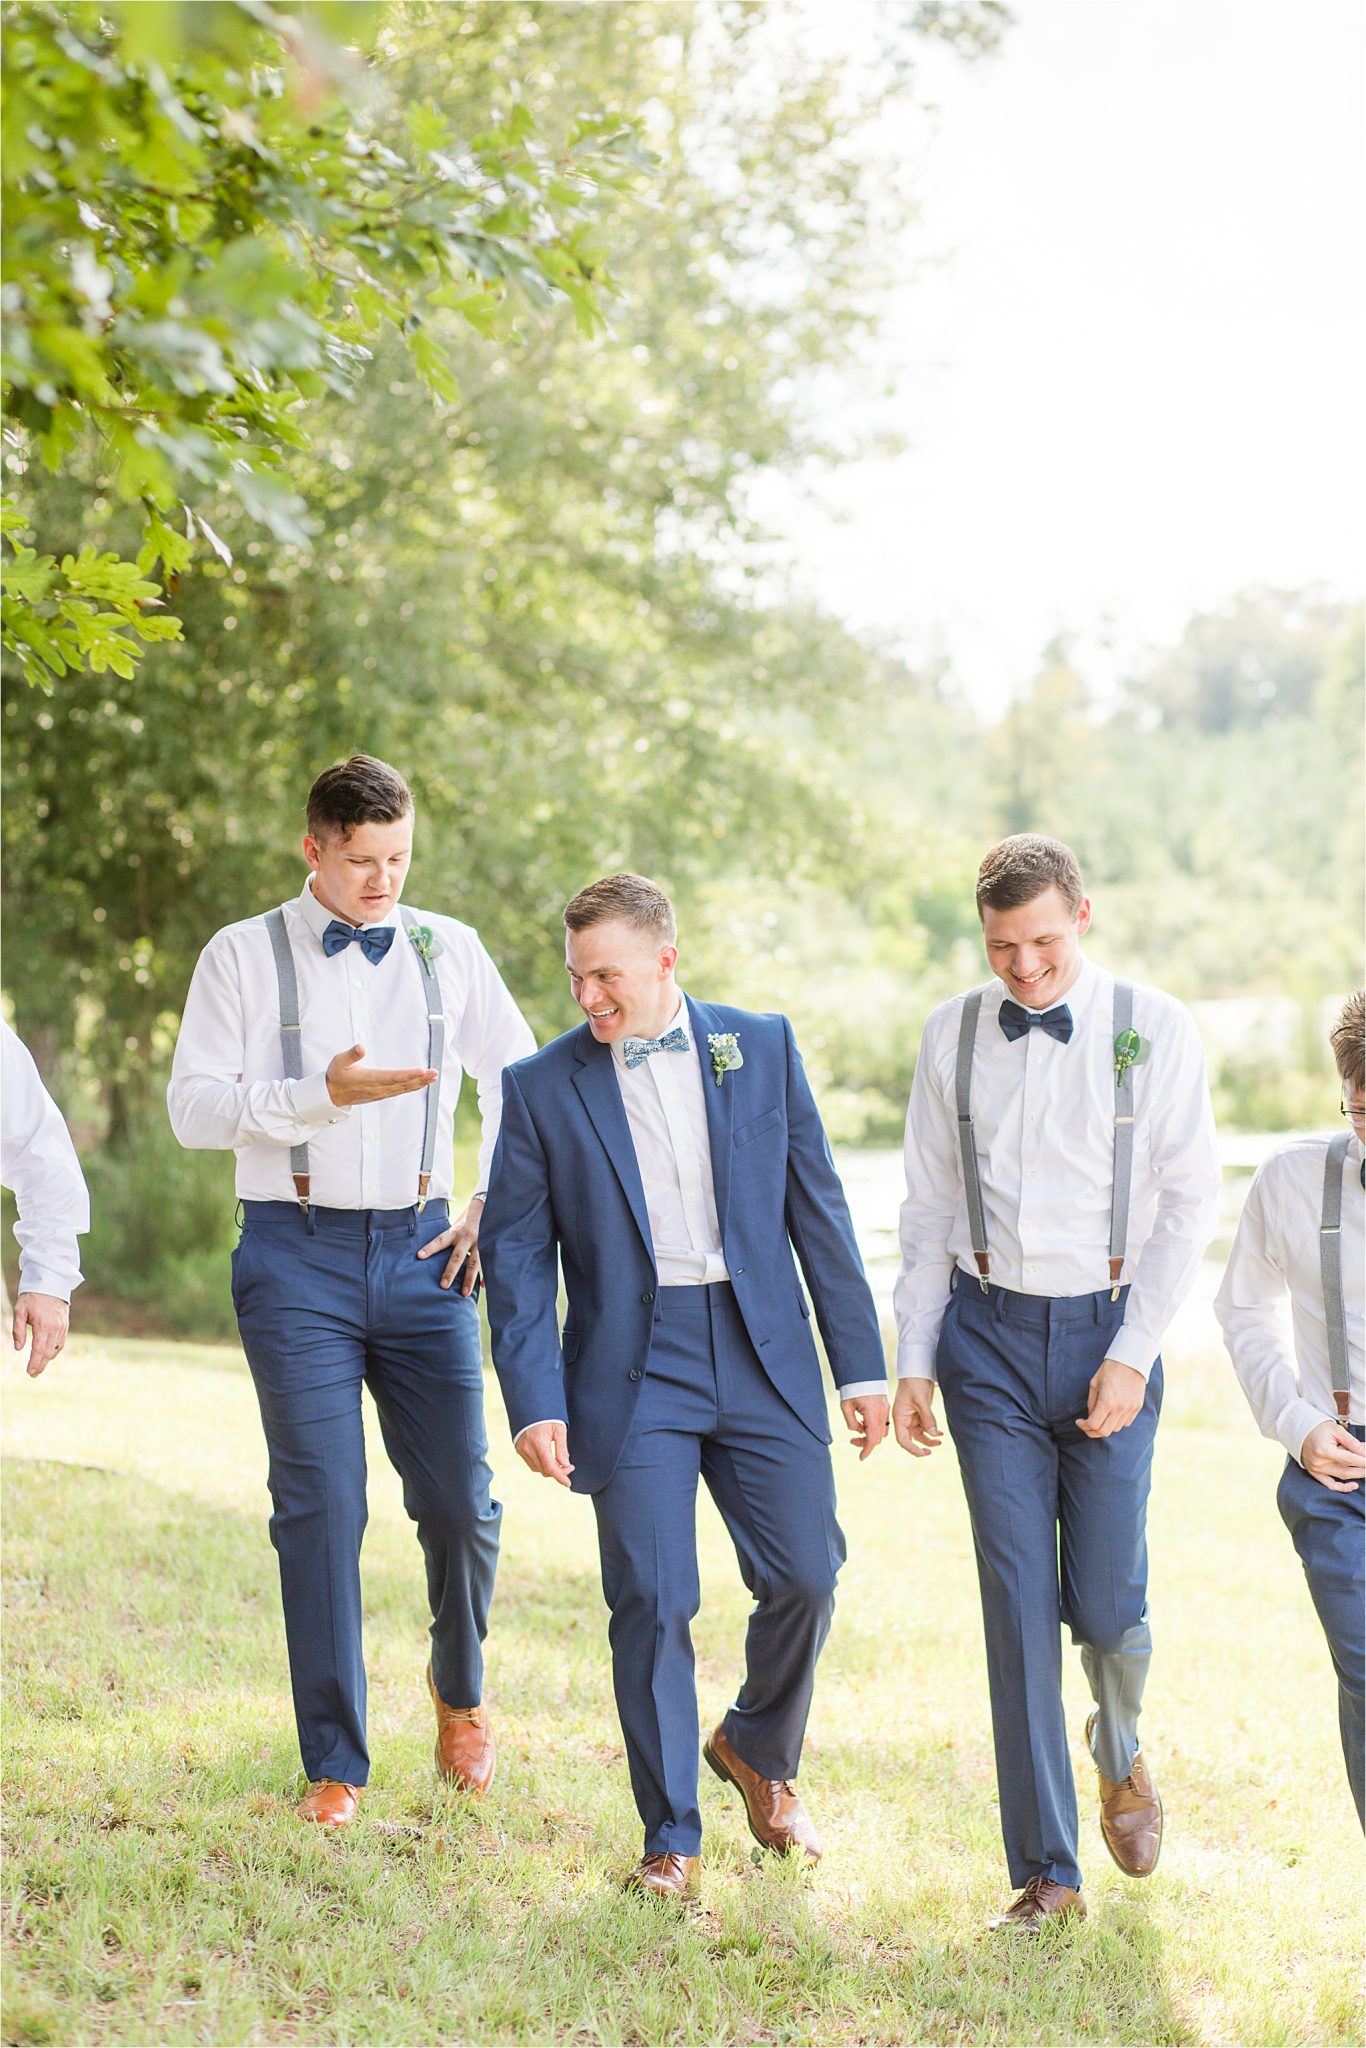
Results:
x,y
1041,915
601,948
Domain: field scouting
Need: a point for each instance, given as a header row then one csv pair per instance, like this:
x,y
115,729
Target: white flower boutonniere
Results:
x,y
724,1048
425,941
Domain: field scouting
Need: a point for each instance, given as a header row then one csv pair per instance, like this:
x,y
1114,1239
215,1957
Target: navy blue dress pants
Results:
x,y
1059,1525
1329,1532
325,1306
708,1408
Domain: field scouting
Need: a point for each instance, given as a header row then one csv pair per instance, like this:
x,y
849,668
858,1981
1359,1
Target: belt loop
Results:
x,y
996,1297
311,1219
240,1215
412,1221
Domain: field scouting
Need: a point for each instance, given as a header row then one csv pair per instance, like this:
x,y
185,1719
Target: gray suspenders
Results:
x,y
1330,1266
290,1048
1124,1137
292,1052
967,1136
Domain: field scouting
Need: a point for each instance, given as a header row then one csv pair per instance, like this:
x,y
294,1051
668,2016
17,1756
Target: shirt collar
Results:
x,y
318,917
680,1016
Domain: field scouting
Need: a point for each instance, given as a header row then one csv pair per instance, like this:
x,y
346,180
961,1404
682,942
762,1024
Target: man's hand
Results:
x,y
545,1447
1114,1397
463,1241
913,1420
1330,1454
349,1082
47,1316
865,1416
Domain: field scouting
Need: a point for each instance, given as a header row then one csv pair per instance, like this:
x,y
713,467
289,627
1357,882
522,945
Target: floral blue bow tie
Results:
x,y
634,1050
1015,1021
374,943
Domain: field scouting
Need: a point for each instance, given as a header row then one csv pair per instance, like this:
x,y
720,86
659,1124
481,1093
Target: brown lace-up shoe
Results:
x,y
1130,1816
665,1877
777,1818
330,1803
466,1753
1040,1900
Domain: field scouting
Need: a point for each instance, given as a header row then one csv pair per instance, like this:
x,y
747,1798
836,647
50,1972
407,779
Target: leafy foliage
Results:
x,y
211,214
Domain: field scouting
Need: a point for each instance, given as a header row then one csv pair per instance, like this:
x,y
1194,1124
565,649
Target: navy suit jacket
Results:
x,y
565,1181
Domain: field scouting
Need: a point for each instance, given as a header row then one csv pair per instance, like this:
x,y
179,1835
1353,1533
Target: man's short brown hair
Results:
x,y
361,791
1022,867
629,899
1348,1040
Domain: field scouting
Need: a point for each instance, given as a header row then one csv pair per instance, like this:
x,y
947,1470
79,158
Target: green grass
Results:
x,y
157,1888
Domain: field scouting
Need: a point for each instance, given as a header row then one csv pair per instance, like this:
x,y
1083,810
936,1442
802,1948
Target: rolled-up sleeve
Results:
x,y
933,1195
492,1034
38,1164
1185,1166
211,1106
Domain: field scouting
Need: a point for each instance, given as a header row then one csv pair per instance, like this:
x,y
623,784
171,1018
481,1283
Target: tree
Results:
x,y
536,597
210,214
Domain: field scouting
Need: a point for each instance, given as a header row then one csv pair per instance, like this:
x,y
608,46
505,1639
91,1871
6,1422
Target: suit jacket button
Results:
x,y
647,1296
634,1373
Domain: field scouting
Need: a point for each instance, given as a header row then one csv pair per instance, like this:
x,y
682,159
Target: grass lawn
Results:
x,y
157,1888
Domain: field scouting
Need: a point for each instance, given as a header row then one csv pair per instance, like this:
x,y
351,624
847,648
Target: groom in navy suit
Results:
x,y
671,1154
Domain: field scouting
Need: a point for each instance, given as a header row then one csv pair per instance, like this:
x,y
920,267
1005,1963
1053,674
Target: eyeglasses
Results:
x,y
1352,1108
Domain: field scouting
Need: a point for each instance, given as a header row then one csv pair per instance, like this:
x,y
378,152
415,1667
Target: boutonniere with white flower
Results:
x,y
1130,1051
724,1048
425,942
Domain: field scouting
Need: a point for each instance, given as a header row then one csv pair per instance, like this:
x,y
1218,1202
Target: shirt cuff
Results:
x,y
311,1102
916,1362
1294,1423
61,1283
857,1387
538,1425
1133,1348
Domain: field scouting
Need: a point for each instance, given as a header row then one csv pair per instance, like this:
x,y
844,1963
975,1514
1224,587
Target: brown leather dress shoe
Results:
x,y
1040,1900
1130,1816
466,1753
665,1876
330,1803
777,1818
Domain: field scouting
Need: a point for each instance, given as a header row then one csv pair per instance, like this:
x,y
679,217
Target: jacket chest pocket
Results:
x,y
747,1133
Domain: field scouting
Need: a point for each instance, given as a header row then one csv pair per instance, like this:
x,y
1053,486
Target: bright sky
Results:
x,y
1135,386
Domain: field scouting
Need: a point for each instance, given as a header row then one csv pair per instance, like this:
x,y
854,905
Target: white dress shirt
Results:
x,y
38,1164
1275,1252
666,1107
1044,1119
228,1090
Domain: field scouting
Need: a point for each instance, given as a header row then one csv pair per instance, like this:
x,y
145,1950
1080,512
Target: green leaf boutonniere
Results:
x,y
1130,1051
427,945
724,1048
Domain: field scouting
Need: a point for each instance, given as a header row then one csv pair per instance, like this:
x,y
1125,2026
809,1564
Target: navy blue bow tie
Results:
x,y
1016,1021
374,943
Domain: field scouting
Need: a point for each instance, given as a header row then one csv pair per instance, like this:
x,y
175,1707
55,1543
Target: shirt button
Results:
x,y
634,1373
647,1296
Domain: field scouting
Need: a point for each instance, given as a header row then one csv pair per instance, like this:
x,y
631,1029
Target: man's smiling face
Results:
x,y
1036,947
622,980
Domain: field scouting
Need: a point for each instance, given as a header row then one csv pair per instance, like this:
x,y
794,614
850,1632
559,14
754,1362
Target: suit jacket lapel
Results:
x,y
720,1108
601,1093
